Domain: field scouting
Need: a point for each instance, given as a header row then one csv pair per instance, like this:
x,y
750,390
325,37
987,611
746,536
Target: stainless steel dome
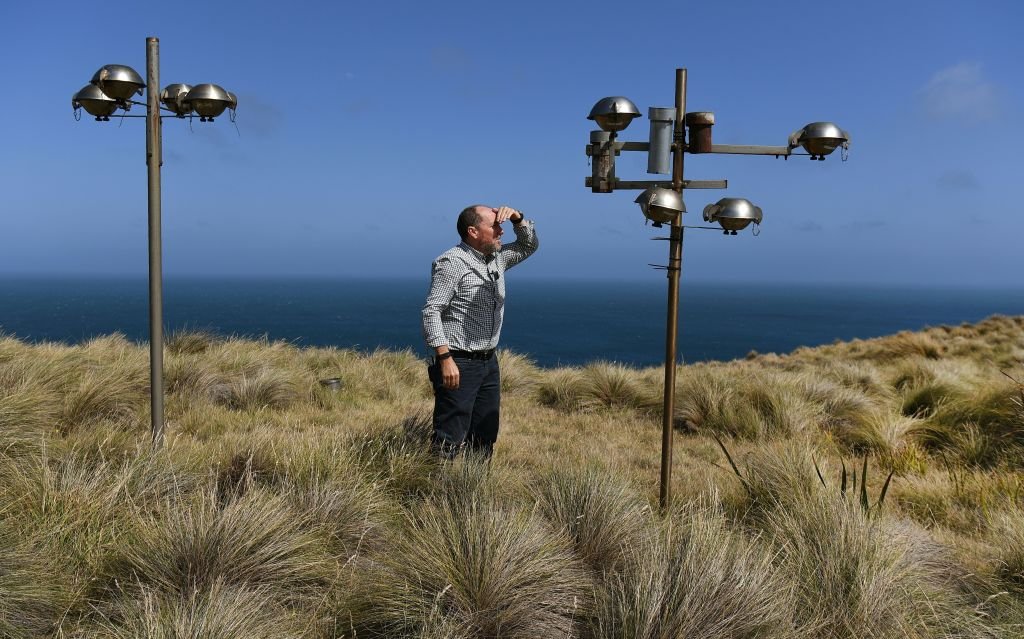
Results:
x,y
95,102
733,213
661,205
118,81
172,98
820,138
614,113
208,100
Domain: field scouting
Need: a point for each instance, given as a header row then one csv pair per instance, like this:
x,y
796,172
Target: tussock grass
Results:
x,y
856,375
32,594
115,394
906,344
893,438
193,379
861,577
609,385
219,612
27,416
602,516
264,389
1007,533
398,458
779,475
251,541
392,376
279,508
925,398
562,388
519,374
191,342
598,386
699,578
703,397
328,492
487,571
763,405
25,369
840,407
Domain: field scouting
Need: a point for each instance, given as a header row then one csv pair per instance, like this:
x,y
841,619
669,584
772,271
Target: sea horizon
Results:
x,y
553,321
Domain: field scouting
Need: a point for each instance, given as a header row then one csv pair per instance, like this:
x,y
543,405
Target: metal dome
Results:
x,y
614,113
95,102
733,213
118,81
208,100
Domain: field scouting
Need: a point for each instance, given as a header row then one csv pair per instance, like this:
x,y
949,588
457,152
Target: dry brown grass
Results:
x,y
281,508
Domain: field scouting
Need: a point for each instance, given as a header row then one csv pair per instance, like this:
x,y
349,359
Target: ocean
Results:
x,y
553,322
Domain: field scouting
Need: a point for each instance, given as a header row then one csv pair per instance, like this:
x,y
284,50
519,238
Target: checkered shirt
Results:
x,y
466,303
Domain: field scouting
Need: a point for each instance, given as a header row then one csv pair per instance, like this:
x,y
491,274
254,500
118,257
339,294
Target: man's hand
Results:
x,y
506,213
449,374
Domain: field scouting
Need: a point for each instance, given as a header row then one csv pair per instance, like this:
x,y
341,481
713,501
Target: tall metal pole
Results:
x,y
154,159
675,265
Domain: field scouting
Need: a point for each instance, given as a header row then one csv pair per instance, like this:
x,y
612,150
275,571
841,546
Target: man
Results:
x,y
462,323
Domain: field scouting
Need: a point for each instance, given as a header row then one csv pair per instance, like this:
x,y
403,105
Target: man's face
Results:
x,y
487,231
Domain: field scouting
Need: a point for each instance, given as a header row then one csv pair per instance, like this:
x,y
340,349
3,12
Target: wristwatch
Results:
x,y
444,355
521,218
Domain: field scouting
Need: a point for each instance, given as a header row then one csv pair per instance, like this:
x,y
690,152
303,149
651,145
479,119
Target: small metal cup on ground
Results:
x,y
331,384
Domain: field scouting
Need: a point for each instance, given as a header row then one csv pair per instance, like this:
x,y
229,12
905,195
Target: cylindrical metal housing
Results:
x,y
659,155
700,123
332,383
603,163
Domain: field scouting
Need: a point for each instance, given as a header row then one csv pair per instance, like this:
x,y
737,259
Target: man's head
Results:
x,y
478,227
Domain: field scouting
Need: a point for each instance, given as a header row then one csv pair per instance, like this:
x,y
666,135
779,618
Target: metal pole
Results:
x,y
154,159
675,263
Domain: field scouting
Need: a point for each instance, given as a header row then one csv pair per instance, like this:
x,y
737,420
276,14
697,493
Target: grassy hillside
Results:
x,y
280,509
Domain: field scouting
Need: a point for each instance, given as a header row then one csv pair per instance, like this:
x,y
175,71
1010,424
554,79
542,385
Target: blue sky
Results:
x,y
364,128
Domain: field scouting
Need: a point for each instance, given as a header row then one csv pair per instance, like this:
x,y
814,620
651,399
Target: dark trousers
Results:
x,y
469,413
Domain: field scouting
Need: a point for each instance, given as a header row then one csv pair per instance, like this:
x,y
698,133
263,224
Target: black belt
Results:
x,y
484,355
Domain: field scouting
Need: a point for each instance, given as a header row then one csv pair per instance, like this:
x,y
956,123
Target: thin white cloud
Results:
x,y
961,91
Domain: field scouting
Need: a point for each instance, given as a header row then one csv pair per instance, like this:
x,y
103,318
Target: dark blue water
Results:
x,y
554,322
